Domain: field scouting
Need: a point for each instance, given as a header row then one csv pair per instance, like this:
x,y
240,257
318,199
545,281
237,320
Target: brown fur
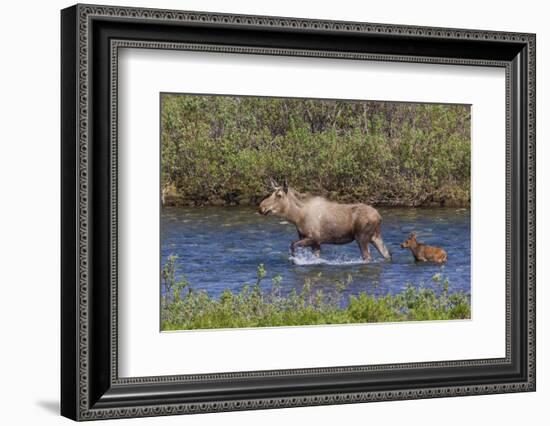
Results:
x,y
424,253
320,221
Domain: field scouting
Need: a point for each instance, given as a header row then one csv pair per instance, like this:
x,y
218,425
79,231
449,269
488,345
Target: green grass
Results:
x,y
184,308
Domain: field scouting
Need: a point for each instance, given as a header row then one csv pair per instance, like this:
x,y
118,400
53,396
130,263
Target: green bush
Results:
x,y
224,149
186,308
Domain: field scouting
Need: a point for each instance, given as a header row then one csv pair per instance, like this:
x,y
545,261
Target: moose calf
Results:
x,y
424,253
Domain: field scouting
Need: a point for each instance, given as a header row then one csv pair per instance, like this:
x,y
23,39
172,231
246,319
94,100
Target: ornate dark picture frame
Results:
x,y
90,385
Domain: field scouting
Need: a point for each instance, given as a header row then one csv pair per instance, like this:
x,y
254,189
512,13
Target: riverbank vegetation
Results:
x,y
222,150
184,308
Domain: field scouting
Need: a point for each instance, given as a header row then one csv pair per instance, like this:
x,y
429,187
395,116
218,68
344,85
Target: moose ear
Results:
x,y
274,184
285,186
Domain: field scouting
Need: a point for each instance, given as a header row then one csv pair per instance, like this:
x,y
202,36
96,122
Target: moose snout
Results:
x,y
263,210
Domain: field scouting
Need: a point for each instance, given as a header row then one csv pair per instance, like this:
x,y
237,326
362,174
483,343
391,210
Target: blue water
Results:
x,y
221,247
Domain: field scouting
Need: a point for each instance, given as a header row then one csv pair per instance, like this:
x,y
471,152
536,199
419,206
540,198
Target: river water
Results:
x,y
221,247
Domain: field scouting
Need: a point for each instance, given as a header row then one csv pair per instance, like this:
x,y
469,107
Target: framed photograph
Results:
x,y
263,212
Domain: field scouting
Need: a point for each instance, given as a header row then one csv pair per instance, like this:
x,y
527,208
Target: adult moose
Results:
x,y
320,221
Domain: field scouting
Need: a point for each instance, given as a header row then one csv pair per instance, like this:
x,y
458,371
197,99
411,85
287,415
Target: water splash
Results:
x,y
302,258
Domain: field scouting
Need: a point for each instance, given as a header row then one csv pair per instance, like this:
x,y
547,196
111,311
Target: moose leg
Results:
x,y
316,248
293,247
365,252
364,238
293,243
304,242
380,246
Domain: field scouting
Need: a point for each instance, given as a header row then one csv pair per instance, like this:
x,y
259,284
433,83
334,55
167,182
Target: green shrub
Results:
x,y
223,150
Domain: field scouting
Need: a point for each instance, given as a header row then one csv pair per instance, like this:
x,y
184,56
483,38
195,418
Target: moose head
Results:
x,y
276,203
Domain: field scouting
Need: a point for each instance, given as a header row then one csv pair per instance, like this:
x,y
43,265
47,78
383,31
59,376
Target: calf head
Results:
x,y
410,242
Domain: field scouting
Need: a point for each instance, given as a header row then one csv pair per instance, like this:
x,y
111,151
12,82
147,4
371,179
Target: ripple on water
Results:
x,y
221,248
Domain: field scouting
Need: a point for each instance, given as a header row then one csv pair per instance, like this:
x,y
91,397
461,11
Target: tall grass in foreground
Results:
x,y
184,308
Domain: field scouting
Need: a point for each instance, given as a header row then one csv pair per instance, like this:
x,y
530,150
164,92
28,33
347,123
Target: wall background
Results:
x,y
29,225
